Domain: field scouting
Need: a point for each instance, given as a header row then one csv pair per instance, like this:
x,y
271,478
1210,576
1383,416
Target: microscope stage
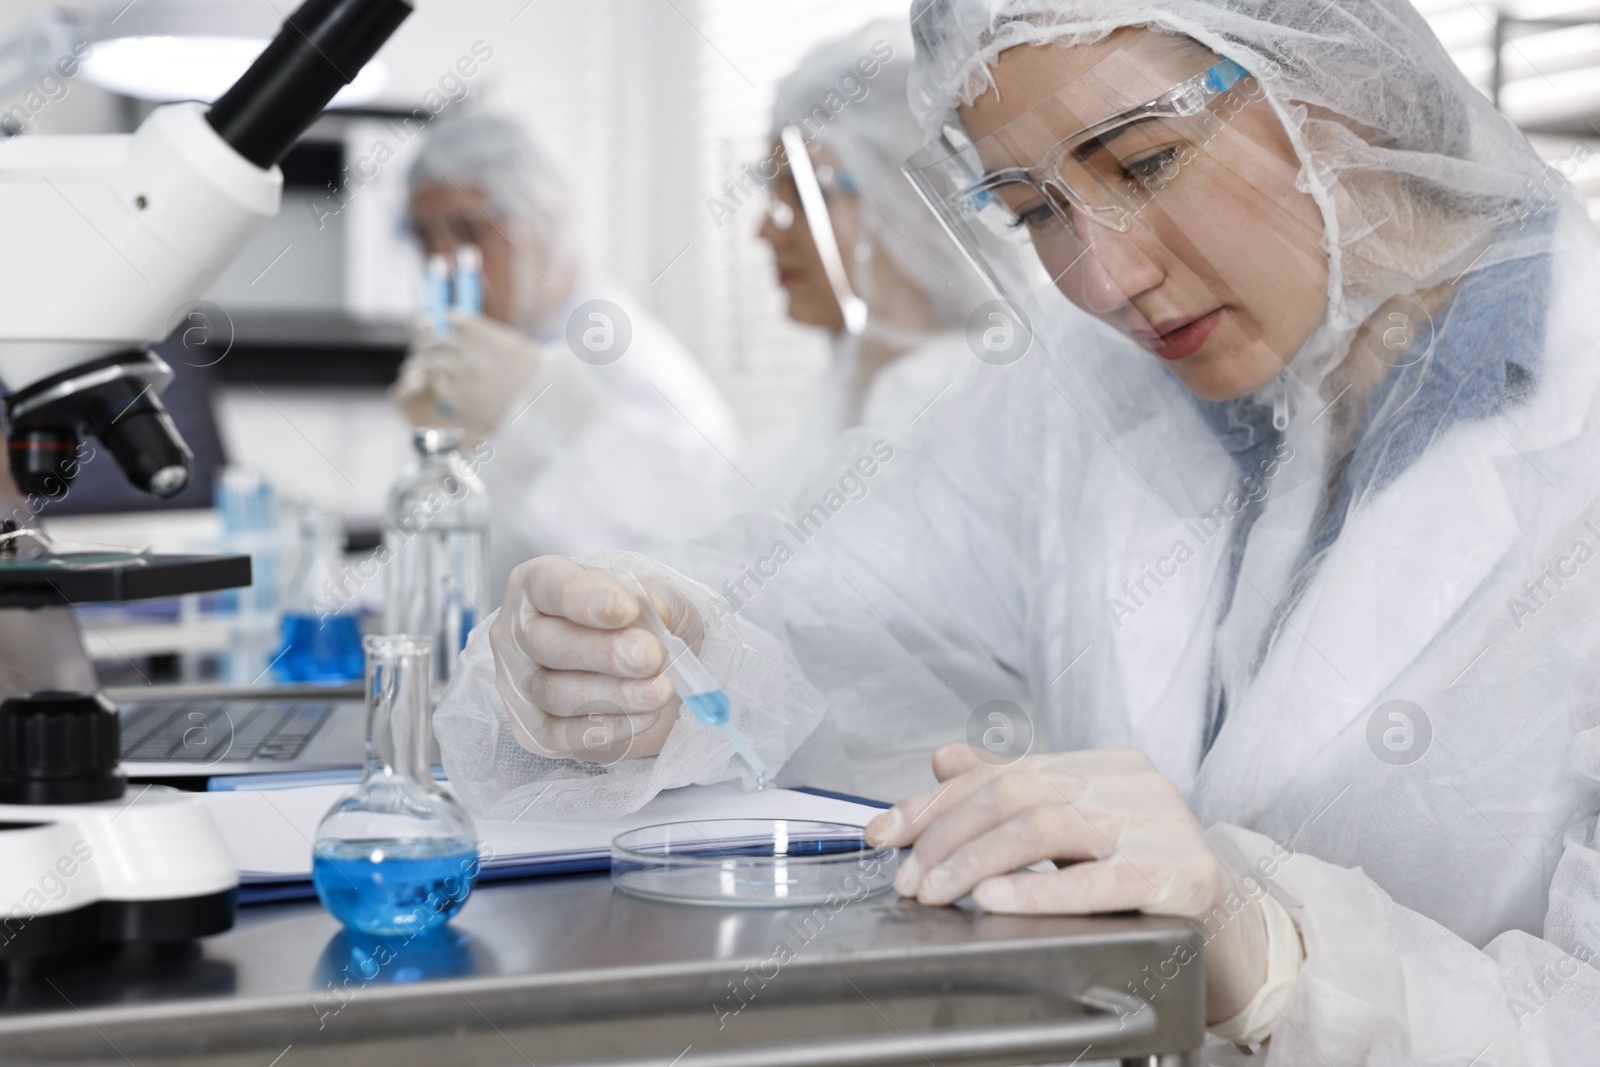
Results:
x,y
56,581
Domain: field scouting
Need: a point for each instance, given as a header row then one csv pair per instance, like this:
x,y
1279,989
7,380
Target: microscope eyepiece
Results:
x,y
321,48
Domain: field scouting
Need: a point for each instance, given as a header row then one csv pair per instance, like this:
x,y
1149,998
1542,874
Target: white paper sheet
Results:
x,y
270,831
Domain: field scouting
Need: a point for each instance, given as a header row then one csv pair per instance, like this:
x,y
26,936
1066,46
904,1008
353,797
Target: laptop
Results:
x,y
200,732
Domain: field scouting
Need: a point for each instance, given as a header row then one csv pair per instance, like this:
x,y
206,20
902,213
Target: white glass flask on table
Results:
x,y
399,855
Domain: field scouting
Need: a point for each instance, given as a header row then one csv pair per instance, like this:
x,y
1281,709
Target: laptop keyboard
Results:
x,y
210,731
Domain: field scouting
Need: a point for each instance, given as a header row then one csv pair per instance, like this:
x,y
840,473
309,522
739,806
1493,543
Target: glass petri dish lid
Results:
x,y
754,863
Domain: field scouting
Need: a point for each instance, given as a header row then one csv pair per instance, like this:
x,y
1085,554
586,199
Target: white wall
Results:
x,y
84,108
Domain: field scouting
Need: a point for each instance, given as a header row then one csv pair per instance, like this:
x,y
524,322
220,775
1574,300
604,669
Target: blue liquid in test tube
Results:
x,y
696,688
439,295
469,280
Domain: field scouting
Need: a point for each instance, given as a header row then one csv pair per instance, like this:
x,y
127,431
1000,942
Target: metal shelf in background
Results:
x,y
311,348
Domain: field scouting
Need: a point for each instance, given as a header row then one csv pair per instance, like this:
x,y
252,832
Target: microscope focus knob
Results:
x,y
59,748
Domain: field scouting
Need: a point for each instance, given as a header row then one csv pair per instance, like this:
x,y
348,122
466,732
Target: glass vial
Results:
x,y
399,855
321,630
248,509
437,541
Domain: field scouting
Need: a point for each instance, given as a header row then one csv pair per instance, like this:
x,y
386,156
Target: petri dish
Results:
x,y
752,863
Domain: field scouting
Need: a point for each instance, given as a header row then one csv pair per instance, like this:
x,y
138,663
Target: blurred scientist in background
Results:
x,y
847,104
600,420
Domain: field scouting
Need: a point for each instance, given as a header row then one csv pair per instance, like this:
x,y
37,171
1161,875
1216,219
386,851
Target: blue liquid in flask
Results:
x,y
320,650
391,886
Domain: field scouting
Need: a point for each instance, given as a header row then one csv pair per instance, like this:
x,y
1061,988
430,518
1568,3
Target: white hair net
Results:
x,y
1381,118
524,185
865,123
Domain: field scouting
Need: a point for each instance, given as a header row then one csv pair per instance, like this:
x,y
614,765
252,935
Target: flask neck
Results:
x,y
321,558
399,711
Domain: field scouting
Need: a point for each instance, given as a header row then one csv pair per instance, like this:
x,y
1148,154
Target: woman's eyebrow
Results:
x,y
1082,151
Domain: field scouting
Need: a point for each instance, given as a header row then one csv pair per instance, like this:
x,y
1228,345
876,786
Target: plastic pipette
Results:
x,y
469,280
695,686
439,295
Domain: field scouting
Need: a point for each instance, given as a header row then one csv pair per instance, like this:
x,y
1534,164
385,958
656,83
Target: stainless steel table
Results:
x,y
565,971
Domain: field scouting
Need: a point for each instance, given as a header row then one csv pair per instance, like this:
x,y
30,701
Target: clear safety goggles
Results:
x,y
1019,199
1111,169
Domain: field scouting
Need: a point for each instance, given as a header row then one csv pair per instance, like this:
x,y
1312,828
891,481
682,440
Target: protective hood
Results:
x,y
848,97
1378,112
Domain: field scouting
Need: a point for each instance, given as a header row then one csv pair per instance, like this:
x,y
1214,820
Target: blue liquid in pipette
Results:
x,y
390,886
320,650
710,708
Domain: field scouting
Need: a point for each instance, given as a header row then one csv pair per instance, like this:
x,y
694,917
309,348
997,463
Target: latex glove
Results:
x,y
1129,839
468,379
579,679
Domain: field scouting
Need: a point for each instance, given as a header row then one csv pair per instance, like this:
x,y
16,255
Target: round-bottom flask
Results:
x,y
399,855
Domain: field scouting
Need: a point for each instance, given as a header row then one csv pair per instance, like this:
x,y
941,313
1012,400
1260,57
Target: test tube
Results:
x,y
439,295
469,280
694,684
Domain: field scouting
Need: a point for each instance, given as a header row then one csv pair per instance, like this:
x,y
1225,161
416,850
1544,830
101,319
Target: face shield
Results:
x,y
808,189
1163,200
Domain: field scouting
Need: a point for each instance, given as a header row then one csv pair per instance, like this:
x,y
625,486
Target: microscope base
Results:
x,y
149,867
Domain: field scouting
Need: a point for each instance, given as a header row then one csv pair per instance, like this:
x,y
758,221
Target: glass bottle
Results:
x,y
321,631
437,577
399,855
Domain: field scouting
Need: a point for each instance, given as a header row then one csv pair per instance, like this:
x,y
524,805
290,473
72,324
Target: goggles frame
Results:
x,y
1188,97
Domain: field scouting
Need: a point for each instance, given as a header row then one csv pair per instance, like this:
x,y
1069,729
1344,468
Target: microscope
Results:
x,y
105,237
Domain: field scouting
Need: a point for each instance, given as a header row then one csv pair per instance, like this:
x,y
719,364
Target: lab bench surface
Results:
x,y
566,971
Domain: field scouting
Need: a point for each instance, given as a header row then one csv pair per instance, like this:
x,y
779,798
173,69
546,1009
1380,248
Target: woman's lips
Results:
x,y
1176,340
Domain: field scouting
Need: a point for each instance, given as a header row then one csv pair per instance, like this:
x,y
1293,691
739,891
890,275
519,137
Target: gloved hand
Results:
x,y
580,680
1129,839
469,378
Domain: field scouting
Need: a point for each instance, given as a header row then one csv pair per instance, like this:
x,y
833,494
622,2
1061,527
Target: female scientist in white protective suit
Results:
x,y
859,258
1304,524
593,449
